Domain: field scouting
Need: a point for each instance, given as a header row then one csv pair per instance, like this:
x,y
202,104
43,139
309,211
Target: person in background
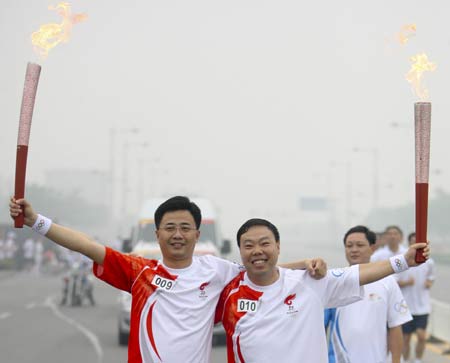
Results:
x,y
28,253
10,250
394,237
366,330
415,285
38,256
380,241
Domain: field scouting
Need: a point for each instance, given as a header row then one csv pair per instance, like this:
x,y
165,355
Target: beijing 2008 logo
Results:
x,y
202,289
289,302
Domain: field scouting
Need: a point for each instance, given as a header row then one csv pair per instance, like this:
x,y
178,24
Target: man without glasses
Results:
x,y
271,314
366,330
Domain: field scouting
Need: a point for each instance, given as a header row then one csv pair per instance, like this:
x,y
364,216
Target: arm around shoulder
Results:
x,y
316,267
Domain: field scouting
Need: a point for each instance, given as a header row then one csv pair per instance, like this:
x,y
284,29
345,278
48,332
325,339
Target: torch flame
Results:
x,y
414,76
407,31
50,35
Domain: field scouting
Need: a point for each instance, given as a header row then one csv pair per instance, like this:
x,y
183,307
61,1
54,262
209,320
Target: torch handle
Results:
x,y
421,218
26,115
21,168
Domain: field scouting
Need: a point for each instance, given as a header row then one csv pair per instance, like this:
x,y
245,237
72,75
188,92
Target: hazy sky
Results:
x,y
250,103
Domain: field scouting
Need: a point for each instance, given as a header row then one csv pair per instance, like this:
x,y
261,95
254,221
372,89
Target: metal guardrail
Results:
x,y
439,321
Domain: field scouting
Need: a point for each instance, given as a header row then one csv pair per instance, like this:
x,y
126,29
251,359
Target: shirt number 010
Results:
x,y
245,305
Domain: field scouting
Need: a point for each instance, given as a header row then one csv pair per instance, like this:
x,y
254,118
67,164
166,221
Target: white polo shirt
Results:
x,y
384,253
358,332
417,296
172,310
283,322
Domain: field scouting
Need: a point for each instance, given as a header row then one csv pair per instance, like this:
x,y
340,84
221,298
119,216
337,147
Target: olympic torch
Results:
x,y
422,119
26,114
47,37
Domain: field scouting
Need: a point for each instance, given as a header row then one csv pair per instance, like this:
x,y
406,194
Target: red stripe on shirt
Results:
x,y
150,329
142,289
132,274
241,358
226,311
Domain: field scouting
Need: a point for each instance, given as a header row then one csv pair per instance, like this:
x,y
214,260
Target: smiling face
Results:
x,y
259,253
177,235
357,248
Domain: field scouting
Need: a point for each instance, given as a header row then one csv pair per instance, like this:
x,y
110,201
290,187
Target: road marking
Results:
x,y
436,349
90,335
433,347
5,315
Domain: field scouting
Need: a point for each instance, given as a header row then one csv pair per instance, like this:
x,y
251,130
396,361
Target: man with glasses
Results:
x,y
173,300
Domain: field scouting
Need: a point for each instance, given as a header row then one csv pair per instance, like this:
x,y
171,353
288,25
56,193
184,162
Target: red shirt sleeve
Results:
x,y
119,269
233,284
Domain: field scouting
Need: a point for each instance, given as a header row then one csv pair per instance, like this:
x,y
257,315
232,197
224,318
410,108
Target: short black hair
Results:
x,y
411,235
256,222
397,228
175,204
370,235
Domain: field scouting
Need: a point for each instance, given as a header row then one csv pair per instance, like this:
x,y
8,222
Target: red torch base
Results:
x,y
421,217
19,192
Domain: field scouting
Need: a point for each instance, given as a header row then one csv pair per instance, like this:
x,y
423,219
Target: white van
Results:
x,y
144,243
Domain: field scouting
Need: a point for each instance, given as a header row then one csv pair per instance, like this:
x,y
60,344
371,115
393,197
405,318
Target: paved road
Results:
x,y
35,329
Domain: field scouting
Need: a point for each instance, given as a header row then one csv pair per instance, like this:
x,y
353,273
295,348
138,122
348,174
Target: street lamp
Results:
x,y
125,171
113,133
143,163
348,188
376,180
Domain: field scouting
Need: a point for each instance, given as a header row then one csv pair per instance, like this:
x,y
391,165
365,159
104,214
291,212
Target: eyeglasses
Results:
x,y
172,228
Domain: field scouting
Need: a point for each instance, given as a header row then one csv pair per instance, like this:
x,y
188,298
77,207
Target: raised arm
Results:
x,y
66,237
373,271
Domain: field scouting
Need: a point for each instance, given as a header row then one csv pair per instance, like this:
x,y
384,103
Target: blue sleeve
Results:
x,y
329,316
329,319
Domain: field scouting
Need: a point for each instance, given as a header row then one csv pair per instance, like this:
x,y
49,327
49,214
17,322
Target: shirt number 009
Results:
x,y
162,283
245,305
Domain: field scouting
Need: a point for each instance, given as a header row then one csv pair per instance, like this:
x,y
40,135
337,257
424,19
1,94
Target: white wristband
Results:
x,y
398,263
42,225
